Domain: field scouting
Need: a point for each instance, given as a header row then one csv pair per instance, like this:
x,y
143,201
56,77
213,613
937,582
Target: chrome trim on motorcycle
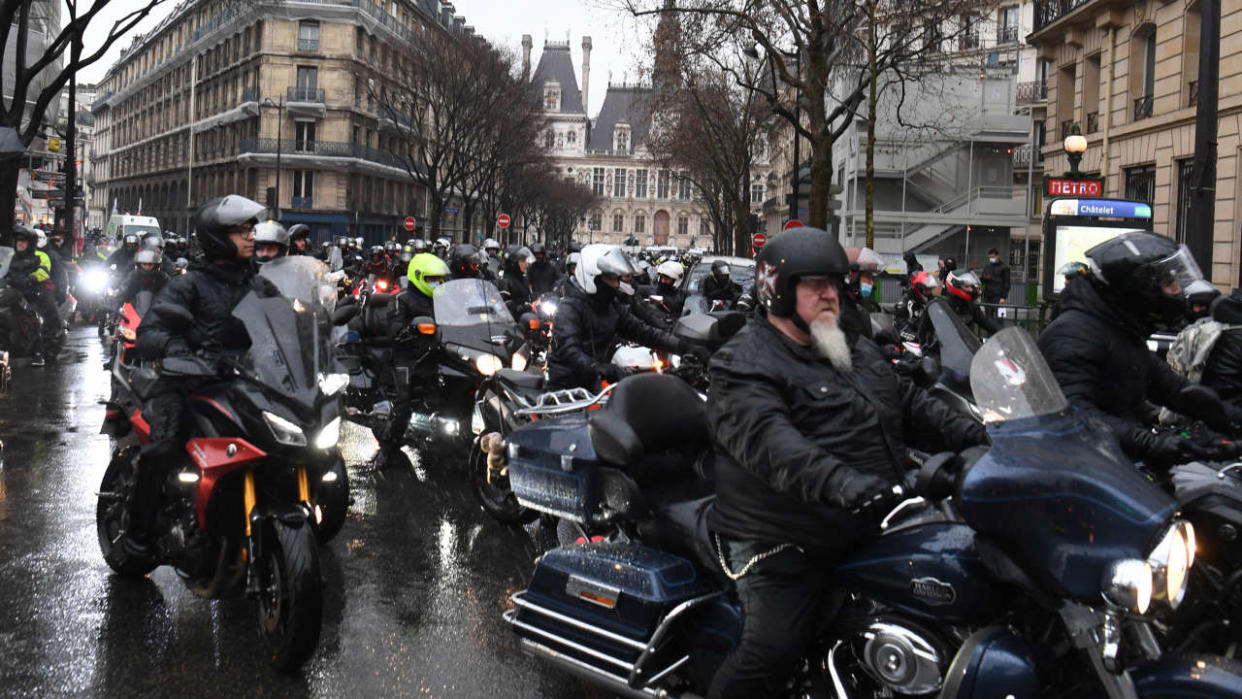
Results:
x,y
589,672
519,599
901,506
559,402
658,635
1237,466
837,685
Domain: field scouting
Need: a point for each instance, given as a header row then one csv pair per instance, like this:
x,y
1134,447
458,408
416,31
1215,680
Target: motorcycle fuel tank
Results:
x,y
930,570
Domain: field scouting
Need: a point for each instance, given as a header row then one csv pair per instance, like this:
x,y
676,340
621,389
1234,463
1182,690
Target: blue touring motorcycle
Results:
x,y
1034,568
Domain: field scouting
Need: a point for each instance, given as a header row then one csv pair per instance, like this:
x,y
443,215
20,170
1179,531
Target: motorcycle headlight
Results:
x,y
94,280
548,308
332,384
519,362
329,435
488,364
1128,585
284,431
1170,562
127,333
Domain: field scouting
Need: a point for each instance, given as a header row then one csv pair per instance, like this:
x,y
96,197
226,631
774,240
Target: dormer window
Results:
x,y
621,139
571,137
552,97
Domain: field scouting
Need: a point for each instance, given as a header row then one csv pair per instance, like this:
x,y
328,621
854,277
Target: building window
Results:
x,y
549,140
1185,176
552,97
640,184
303,186
308,36
1143,76
640,223
970,32
1008,25
662,184
571,137
683,225
1141,183
683,187
756,193
621,139
595,222
304,136
597,181
932,38
618,182
618,223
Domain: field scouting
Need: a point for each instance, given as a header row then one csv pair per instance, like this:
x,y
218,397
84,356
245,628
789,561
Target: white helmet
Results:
x,y
670,269
491,244
600,259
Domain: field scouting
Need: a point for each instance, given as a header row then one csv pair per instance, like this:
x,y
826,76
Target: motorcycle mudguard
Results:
x,y
992,663
1200,676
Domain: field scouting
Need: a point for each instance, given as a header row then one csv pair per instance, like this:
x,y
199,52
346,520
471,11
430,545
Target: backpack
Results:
x,y
1189,353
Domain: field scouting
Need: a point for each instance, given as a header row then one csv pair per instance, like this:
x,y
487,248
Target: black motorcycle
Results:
x,y
20,324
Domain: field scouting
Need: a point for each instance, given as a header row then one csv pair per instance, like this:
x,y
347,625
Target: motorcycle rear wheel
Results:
x,y
496,498
116,493
290,599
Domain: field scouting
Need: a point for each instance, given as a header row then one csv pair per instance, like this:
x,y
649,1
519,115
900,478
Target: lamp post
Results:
x,y
1075,146
280,122
753,52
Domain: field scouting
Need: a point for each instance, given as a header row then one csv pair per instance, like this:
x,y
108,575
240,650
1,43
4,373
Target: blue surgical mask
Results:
x,y
864,290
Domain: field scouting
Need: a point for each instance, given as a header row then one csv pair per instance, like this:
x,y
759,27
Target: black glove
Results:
x,y
850,489
176,347
699,352
611,373
1161,450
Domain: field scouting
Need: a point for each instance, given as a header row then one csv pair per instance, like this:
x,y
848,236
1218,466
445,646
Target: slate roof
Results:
x,y
556,64
622,103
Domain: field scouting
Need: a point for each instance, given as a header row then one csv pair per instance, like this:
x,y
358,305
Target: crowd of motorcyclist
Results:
x,y
810,422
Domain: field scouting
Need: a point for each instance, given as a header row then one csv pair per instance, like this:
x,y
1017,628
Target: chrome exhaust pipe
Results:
x,y
606,680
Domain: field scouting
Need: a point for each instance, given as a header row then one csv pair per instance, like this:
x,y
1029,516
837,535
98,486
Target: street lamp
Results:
x,y
280,121
1075,146
753,52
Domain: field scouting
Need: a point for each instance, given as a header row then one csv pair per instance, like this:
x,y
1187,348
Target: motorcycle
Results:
x,y
91,288
20,324
1035,567
243,510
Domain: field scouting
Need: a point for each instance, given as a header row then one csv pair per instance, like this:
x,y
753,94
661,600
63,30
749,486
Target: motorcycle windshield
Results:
x,y
470,302
958,346
302,278
290,344
6,259
1010,379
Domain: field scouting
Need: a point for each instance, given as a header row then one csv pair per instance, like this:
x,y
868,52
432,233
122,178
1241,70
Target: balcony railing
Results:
x,y
967,42
1194,93
1142,107
1049,11
1066,126
301,202
331,149
1032,92
308,45
1093,122
1022,156
1007,35
304,94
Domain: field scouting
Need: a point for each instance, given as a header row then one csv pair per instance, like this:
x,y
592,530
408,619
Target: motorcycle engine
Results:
x,y
902,656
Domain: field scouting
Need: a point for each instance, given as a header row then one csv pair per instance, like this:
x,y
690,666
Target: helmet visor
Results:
x,y
614,261
870,261
1177,272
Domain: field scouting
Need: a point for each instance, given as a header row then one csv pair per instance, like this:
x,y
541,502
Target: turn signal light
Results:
x,y
427,328
534,323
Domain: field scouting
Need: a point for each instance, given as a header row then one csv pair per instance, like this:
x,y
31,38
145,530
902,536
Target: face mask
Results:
x,y
864,290
993,260
434,285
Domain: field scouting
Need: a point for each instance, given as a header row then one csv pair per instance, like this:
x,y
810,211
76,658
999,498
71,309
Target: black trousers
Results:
x,y
42,301
165,412
783,600
410,374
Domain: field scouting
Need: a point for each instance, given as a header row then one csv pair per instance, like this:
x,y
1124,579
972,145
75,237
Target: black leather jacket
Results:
x,y
585,331
725,290
210,292
516,290
783,420
543,276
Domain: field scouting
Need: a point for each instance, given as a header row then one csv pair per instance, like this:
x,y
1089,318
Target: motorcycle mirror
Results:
x,y
177,317
927,371
344,314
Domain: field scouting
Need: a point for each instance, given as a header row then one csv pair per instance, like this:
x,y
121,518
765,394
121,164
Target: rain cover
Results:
x,y
1011,380
958,346
470,302
6,259
289,344
303,278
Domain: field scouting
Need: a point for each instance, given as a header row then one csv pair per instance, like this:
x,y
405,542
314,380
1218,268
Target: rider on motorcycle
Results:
x,y
411,349
123,258
463,261
148,275
1097,346
299,239
810,426
31,271
717,286
514,286
910,309
668,277
492,247
962,292
858,302
209,291
271,241
542,273
591,318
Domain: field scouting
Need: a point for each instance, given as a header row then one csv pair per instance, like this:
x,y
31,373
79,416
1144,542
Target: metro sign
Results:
x,y
1067,187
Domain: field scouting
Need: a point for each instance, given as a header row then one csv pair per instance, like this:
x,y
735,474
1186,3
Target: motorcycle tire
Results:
x,y
496,498
332,499
290,594
116,493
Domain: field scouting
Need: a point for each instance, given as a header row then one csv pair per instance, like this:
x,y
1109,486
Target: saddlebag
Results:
x,y
553,468
608,609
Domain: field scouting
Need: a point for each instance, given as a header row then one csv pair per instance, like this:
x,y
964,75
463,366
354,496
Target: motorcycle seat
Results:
x,y
648,413
521,380
680,525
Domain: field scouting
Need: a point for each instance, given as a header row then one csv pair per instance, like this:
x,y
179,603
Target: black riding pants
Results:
x,y
410,374
165,412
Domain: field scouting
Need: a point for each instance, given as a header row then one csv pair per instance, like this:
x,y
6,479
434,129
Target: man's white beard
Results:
x,y
830,342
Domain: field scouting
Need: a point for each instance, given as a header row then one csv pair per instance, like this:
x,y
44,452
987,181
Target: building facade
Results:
x,y
1127,73
271,100
642,202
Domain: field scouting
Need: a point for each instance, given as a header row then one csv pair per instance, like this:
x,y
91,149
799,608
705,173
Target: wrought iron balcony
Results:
x,y
1093,122
304,94
1194,93
301,202
1022,156
1142,107
308,45
967,42
1049,11
329,149
1007,35
1032,92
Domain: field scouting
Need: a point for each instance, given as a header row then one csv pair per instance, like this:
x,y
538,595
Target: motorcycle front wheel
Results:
x,y
290,594
112,514
332,503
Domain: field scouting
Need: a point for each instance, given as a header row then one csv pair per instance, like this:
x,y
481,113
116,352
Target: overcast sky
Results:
x,y
615,36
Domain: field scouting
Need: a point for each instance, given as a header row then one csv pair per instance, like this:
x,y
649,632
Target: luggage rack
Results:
x,y
636,677
567,400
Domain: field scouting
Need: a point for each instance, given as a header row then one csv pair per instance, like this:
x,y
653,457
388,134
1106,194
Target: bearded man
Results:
x,y
810,427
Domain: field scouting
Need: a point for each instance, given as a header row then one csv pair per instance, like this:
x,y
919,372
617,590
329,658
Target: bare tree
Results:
x,y
558,206
23,104
816,50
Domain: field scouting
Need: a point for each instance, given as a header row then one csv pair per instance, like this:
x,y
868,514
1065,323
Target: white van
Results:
x,y
120,225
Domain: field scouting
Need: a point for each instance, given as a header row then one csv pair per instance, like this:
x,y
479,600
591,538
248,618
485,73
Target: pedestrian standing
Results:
x,y
995,278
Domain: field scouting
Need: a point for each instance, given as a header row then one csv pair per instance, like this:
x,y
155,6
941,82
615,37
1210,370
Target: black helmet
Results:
x,y
392,246
299,230
24,232
537,249
720,268
800,252
214,219
377,252
1144,275
464,261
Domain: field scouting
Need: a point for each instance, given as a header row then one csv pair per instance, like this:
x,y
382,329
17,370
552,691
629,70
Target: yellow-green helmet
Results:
x,y
426,272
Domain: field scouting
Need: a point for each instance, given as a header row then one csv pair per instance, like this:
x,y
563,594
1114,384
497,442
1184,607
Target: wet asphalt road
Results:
x,y
415,582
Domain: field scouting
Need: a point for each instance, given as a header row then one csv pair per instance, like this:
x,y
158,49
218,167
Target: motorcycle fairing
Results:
x,y
141,426
217,457
1178,677
1061,503
992,662
288,347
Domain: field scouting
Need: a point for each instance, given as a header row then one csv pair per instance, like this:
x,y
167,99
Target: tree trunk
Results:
x,y
437,212
741,237
821,181
8,199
